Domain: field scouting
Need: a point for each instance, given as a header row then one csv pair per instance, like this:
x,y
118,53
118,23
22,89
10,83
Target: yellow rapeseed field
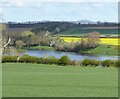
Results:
x,y
109,41
70,39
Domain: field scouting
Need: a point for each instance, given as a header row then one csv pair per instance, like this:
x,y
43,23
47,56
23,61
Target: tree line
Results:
x,y
56,26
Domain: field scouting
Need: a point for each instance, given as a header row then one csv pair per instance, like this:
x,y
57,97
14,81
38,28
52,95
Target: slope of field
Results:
x,y
31,80
108,41
17,30
103,50
82,31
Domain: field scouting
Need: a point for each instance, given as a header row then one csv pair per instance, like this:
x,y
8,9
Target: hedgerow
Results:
x,y
64,60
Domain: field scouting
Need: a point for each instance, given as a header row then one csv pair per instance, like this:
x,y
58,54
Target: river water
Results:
x,y
71,55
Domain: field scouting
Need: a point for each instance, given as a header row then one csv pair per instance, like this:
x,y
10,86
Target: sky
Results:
x,y
22,11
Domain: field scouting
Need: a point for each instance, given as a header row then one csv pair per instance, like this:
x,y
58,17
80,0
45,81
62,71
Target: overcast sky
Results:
x,y
21,10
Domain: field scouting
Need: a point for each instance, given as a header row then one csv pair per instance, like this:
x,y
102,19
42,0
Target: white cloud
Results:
x,y
38,3
77,0
23,3
15,3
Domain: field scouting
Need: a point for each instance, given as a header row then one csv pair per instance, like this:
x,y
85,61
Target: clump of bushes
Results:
x,y
117,63
50,60
90,62
9,59
39,60
88,41
108,63
28,59
64,60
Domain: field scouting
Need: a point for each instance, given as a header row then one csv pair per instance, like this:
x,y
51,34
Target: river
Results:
x,y
71,55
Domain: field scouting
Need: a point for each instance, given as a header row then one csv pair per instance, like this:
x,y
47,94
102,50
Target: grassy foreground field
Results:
x,y
30,80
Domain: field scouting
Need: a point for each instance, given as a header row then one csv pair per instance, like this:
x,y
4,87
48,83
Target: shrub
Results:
x,y
33,59
94,62
64,60
107,63
9,59
50,60
40,60
87,62
24,59
117,63
28,59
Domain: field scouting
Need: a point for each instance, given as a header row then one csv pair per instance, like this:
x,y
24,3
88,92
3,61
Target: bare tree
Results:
x,y
90,40
19,44
93,39
0,43
4,37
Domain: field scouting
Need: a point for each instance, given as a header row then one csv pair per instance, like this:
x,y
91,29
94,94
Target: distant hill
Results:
x,y
87,22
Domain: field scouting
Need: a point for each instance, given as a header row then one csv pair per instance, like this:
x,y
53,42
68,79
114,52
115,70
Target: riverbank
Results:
x,y
58,81
109,50
103,50
21,50
39,48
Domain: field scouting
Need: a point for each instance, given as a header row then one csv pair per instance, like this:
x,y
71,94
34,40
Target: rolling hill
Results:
x,y
81,31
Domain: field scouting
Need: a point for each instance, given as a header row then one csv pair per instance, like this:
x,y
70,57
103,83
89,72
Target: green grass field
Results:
x,y
82,31
30,80
104,50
